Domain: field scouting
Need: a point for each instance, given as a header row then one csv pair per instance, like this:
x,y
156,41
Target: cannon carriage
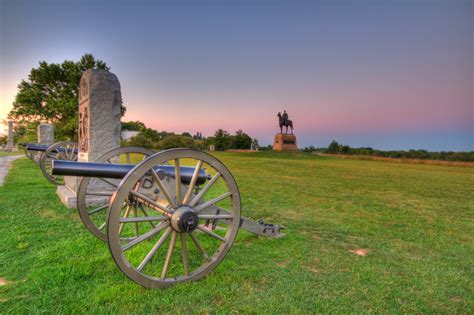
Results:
x,y
167,217
42,155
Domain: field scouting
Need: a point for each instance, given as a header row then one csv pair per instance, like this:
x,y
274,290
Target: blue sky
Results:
x,y
385,74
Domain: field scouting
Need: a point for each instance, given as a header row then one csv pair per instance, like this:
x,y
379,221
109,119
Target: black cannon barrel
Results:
x,y
105,170
36,147
43,148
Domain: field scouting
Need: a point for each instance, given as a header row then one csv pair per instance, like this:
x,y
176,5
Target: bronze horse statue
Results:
x,y
285,123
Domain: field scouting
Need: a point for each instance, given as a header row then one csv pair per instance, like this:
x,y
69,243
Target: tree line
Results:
x,y
162,140
336,148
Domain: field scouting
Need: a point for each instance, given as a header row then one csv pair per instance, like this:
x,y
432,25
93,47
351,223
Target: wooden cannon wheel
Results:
x,y
93,194
183,216
63,150
33,155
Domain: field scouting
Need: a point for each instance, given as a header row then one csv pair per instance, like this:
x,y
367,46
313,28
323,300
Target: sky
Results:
x,y
385,74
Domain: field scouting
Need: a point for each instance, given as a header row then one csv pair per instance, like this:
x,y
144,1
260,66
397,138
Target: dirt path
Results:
x,y
5,164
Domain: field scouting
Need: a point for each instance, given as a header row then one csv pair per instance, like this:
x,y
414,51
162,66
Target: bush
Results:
x,y
176,141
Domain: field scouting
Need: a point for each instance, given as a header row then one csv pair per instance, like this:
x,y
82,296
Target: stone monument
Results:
x,y
285,141
99,130
10,144
45,134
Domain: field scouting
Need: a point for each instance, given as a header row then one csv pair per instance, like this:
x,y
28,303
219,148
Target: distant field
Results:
x,y
414,221
401,160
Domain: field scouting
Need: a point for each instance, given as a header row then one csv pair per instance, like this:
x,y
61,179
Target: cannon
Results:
x,y
43,155
182,199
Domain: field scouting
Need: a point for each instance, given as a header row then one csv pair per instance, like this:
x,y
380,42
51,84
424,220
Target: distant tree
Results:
x,y
345,149
176,141
133,125
141,140
240,140
222,140
333,147
50,95
3,140
186,134
25,132
198,136
311,148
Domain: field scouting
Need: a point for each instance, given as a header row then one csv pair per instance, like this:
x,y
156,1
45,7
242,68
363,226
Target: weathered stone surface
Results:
x,y
45,134
212,148
285,142
10,145
100,101
99,131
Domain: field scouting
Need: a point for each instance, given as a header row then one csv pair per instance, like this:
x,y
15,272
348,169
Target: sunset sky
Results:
x,y
385,74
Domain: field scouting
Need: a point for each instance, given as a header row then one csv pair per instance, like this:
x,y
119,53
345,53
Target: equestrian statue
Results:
x,y
285,122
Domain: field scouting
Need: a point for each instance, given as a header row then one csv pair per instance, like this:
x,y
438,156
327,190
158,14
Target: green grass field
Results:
x,y
416,222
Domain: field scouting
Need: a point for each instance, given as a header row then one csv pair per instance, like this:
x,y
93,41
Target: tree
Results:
x,y
222,140
50,95
176,141
333,147
133,125
241,140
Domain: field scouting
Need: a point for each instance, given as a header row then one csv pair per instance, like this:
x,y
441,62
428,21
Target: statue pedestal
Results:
x,y
285,142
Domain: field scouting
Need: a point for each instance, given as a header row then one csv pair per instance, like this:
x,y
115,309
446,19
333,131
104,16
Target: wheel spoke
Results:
x,y
100,193
102,226
146,215
125,215
163,189
142,219
136,223
145,236
61,156
199,196
153,251
185,254
177,177
199,246
129,160
107,182
203,229
153,204
98,209
169,254
216,217
212,201
193,182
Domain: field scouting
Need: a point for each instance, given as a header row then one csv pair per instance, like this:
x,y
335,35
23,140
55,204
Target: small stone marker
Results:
x,y
99,130
45,134
10,145
212,148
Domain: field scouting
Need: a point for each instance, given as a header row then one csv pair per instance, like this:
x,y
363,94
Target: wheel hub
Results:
x,y
184,220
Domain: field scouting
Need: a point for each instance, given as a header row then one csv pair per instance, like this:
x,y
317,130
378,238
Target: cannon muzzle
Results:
x,y
106,170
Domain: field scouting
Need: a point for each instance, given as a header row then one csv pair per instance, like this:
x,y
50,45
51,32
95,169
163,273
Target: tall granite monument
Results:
x,y
10,144
45,134
100,102
285,141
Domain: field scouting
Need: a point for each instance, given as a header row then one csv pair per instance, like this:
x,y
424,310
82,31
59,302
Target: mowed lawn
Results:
x,y
415,221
